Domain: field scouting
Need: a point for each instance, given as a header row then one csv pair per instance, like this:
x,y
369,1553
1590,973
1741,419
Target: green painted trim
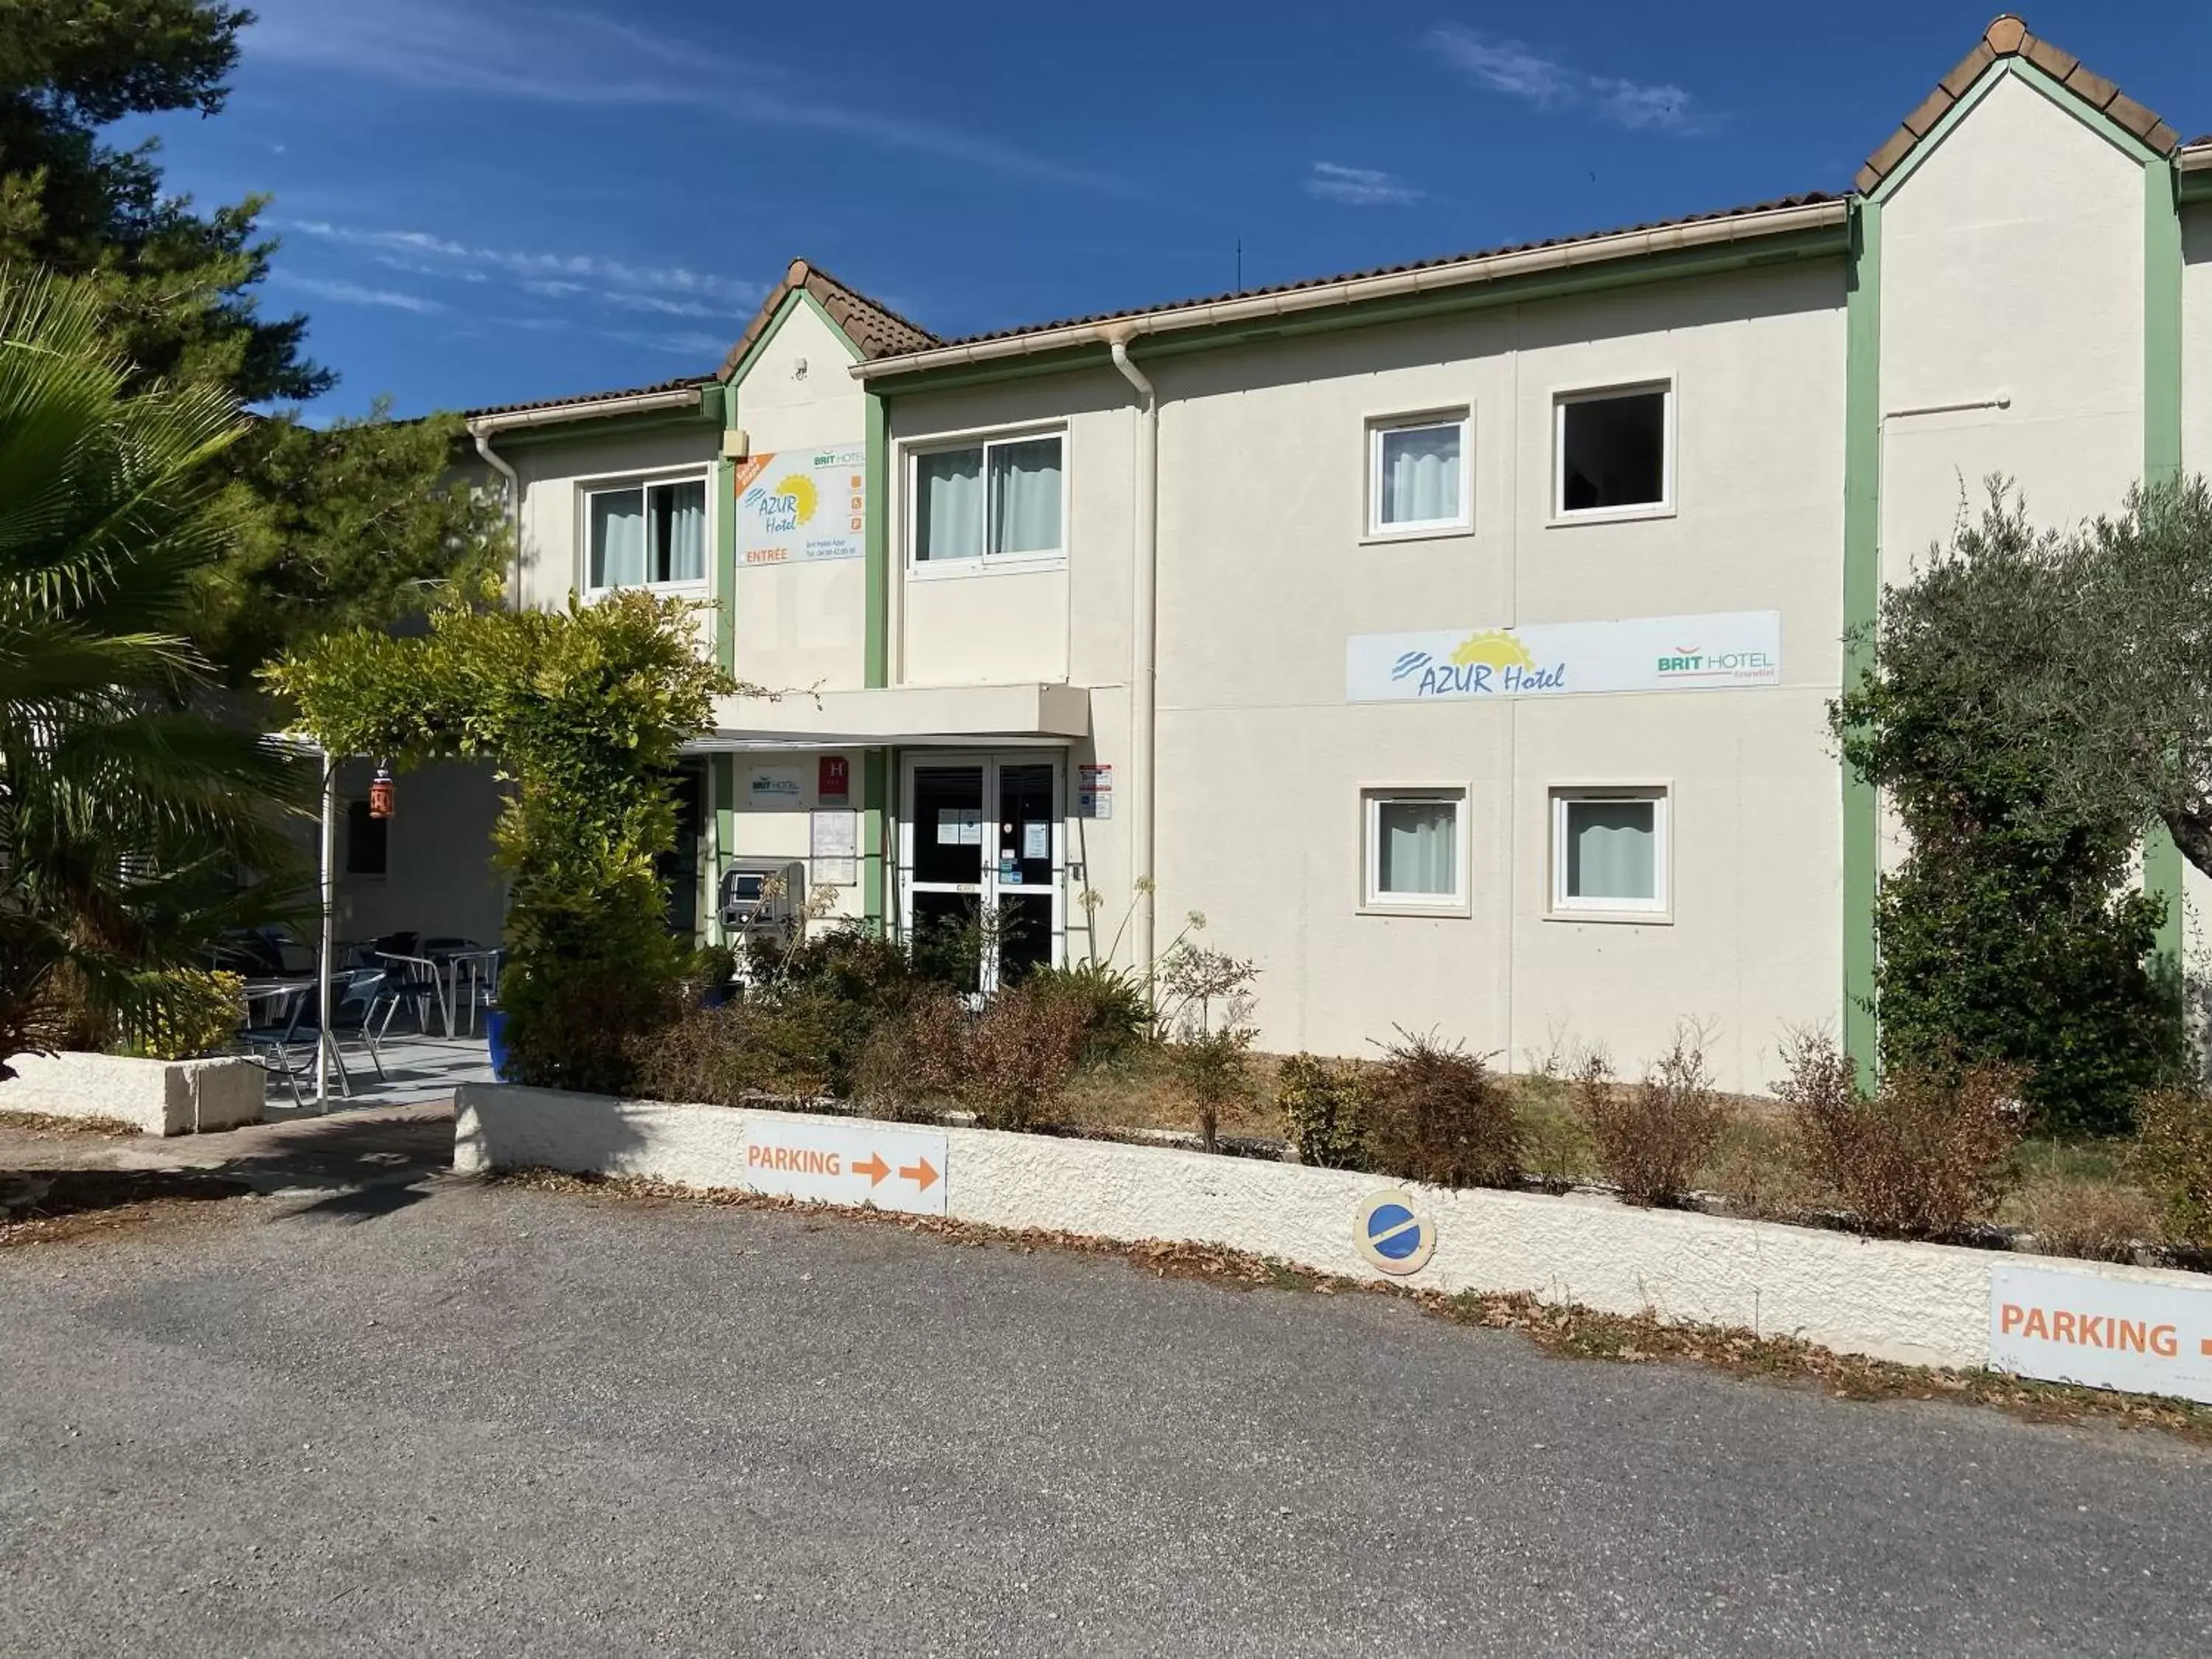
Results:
x,y
2095,120
2162,459
724,781
876,641
1861,808
875,793
792,302
2162,326
2194,185
726,565
1634,271
2099,123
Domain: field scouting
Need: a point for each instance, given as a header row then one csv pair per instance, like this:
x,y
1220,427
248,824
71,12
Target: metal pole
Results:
x,y
322,1043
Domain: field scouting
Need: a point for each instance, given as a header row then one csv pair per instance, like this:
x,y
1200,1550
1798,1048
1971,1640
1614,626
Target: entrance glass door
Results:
x,y
979,838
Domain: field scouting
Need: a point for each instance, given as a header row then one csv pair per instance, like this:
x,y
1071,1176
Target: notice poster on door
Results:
x,y
1036,842
834,846
959,826
801,506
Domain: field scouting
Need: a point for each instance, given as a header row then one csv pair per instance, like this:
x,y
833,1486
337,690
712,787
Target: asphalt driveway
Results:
x,y
439,1419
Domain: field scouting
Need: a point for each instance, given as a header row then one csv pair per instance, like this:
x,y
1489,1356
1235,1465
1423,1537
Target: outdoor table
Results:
x,y
278,992
482,965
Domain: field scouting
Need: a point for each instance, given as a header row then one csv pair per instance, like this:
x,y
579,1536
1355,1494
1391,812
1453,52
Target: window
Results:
x,y
1615,452
1415,847
649,535
367,843
1609,849
1416,474
1000,500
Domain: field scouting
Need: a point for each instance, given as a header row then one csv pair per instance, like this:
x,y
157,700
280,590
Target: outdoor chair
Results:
x,y
361,1006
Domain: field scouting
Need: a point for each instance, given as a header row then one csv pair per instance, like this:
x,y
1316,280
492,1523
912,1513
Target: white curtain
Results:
x,y
1612,849
1420,474
1025,496
685,547
950,525
618,538
1416,854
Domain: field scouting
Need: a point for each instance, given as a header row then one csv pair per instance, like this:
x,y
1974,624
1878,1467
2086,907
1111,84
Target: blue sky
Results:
x,y
482,201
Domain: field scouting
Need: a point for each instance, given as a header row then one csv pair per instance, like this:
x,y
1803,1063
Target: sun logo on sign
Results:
x,y
799,490
1495,648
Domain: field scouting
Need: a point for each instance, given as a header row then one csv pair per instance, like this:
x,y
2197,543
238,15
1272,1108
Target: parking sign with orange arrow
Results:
x,y
839,1161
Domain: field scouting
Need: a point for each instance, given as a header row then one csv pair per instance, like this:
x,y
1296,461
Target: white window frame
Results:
x,y
1658,908
985,562
1373,797
609,484
1462,416
1564,396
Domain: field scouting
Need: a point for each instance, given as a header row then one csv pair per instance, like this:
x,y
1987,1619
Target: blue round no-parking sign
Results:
x,y
1394,1235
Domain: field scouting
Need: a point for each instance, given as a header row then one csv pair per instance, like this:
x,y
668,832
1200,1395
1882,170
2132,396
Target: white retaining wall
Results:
x,y
1919,1303
161,1096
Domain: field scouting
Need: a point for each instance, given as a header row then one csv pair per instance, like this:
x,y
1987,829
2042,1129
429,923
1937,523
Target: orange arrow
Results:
x,y
875,1169
919,1172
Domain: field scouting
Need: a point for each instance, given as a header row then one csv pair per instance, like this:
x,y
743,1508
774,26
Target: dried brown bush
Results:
x,y
1654,1136
2100,1220
1439,1115
1760,1170
1007,1064
2175,1157
1927,1152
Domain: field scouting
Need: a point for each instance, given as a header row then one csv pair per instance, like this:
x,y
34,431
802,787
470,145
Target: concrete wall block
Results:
x,y
161,1097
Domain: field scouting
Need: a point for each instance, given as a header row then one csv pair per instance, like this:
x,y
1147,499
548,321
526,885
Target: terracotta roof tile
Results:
x,y
593,397
875,328
2007,37
1808,199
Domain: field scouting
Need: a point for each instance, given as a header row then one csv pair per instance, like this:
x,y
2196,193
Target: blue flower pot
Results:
x,y
495,1042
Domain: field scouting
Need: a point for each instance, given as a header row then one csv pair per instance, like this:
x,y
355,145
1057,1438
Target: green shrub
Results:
x,y
1110,1001
1652,1137
191,1012
2174,1158
1927,1152
1321,1103
1439,1115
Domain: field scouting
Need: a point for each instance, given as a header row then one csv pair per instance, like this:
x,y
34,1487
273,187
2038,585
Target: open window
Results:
x,y
647,535
1416,853
1614,453
1609,850
999,500
1417,479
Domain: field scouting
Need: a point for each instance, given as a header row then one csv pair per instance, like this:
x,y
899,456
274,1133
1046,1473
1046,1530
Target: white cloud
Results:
x,y
671,290
355,293
1359,186
1519,72
492,48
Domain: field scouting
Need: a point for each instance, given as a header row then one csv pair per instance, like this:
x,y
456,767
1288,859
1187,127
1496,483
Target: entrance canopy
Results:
x,y
932,715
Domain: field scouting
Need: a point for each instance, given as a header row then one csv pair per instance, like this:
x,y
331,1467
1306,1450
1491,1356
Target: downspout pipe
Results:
x,y
481,431
1144,668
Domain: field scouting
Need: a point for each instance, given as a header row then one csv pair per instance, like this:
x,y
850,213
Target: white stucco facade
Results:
x,y
1983,304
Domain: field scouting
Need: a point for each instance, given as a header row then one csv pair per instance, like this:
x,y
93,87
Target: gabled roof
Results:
x,y
583,398
2007,37
1439,263
874,328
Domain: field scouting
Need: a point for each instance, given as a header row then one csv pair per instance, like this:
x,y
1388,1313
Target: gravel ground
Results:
x,y
447,1419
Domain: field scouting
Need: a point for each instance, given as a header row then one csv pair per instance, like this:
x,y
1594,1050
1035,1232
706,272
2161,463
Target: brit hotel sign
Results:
x,y
1547,660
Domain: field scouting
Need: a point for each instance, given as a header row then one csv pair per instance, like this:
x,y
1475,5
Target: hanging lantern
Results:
x,y
383,793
